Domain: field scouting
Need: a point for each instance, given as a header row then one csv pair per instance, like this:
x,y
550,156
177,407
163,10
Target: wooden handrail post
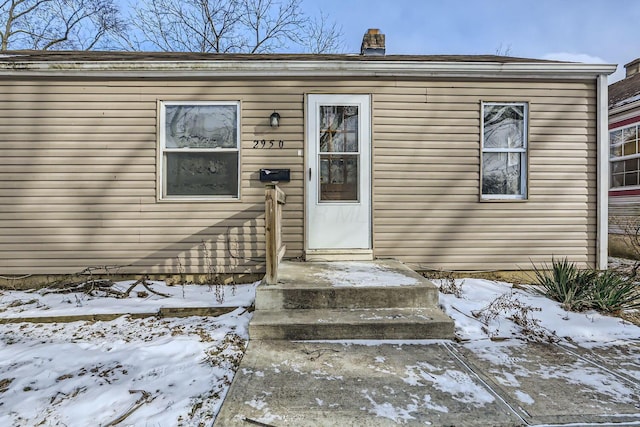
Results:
x,y
273,201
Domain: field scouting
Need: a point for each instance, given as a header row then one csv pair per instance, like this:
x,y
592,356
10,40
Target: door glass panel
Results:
x,y
339,129
339,153
339,177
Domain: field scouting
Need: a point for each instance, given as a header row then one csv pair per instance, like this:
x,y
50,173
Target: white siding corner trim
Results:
x,y
603,173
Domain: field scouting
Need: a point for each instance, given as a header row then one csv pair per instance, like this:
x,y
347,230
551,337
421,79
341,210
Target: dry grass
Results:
x,y
621,246
633,317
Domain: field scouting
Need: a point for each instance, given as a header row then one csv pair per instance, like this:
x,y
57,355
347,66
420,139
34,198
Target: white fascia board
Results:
x,y
290,68
602,198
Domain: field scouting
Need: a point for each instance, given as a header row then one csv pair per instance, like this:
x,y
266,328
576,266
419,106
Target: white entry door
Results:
x,y
338,172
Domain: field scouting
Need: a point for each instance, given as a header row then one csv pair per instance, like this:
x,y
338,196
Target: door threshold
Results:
x,y
339,255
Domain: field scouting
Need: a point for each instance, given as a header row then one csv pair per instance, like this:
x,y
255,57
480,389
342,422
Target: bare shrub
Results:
x,y
519,313
447,280
450,286
213,280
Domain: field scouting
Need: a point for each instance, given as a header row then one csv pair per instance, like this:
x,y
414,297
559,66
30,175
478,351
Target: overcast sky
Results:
x,y
594,31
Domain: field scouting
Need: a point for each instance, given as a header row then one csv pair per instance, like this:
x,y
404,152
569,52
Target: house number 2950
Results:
x,y
272,143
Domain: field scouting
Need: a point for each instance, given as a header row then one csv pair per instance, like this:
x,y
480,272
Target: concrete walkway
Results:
x,y
437,383
416,383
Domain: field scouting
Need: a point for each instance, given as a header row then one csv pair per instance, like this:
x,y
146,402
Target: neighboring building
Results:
x,y
150,161
624,137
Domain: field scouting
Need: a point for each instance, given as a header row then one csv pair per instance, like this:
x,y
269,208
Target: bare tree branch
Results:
x,y
322,36
59,24
227,26
272,23
221,26
14,12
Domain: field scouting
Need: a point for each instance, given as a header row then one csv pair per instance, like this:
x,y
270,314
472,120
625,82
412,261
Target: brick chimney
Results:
x,y
632,67
373,43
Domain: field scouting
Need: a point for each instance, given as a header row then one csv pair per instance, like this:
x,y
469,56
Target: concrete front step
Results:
x,y
338,324
381,299
305,296
353,285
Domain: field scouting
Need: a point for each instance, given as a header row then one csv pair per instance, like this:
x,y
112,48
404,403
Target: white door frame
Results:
x,y
337,229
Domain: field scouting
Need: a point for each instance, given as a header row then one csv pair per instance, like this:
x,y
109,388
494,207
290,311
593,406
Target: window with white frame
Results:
x,y
625,156
504,150
200,150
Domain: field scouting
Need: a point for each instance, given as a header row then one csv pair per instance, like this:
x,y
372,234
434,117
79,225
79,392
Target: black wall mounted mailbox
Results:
x,y
269,175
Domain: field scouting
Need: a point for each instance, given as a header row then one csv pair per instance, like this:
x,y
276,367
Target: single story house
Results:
x,y
624,134
150,162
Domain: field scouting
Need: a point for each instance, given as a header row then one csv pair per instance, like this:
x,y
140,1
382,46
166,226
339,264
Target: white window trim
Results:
x,y
524,170
162,185
613,159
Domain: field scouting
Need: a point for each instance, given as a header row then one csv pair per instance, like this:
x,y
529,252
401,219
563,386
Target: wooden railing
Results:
x,y
273,202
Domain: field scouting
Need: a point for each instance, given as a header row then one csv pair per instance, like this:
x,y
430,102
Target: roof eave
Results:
x,y
630,103
158,69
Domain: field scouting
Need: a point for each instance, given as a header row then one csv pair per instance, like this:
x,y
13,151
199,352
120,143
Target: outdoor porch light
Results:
x,y
274,120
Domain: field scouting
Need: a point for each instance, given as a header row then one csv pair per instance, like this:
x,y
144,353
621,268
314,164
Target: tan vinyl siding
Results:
x,y
78,172
79,179
426,173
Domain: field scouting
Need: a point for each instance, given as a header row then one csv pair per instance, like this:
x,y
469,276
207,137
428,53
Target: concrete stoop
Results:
x,y
381,299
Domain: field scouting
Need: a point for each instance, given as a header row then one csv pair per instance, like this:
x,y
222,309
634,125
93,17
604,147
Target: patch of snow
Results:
x,y
507,379
426,402
388,411
360,274
456,383
256,403
524,397
590,380
324,375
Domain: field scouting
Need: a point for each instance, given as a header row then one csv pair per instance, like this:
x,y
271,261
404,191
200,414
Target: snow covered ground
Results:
x,y
176,372
145,372
497,310
44,304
